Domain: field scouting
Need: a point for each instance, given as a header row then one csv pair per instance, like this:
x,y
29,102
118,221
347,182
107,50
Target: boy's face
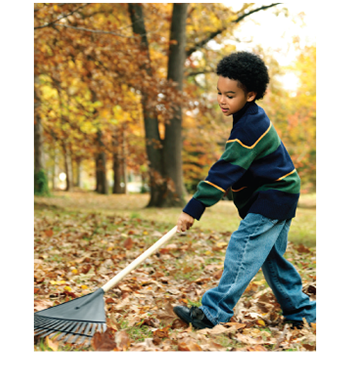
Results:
x,y
231,97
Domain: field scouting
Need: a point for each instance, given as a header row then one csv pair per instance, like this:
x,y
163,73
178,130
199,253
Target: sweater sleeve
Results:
x,y
240,151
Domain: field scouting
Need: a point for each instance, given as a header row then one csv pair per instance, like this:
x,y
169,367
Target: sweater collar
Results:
x,y
249,107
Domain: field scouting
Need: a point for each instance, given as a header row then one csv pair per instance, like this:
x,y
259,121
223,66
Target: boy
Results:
x,y
265,187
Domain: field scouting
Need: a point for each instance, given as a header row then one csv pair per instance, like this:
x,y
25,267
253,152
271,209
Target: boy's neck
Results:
x,y
238,115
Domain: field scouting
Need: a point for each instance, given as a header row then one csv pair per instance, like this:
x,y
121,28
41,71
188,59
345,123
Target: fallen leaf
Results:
x,y
167,316
189,347
41,304
178,323
128,243
122,340
234,325
171,246
48,233
103,341
309,347
220,329
213,347
256,348
249,340
51,344
162,332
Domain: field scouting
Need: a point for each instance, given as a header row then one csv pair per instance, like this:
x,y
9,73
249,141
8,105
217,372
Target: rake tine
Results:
x,y
73,332
86,333
78,333
88,328
46,322
56,329
93,329
67,330
38,323
49,326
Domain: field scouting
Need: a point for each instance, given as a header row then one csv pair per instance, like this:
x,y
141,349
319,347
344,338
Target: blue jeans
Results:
x,y
259,242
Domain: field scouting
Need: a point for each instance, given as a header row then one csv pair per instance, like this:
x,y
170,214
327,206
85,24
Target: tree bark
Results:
x,y
54,169
38,131
78,172
101,169
125,166
117,166
68,167
173,140
154,146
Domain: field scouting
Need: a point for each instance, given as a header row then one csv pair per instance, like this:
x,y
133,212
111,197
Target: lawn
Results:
x,y
83,239
223,217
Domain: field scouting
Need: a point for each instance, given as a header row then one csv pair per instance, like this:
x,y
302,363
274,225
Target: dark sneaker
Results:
x,y
193,315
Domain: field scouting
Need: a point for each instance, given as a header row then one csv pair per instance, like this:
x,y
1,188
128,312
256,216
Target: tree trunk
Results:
x,y
40,178
68,167
78,172
125,167
153,142
117,188
38,131
101,169
173,140
54,169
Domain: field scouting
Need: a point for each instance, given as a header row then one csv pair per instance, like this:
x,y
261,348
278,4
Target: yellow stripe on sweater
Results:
x,y
281,178
237,190
215,186
252,146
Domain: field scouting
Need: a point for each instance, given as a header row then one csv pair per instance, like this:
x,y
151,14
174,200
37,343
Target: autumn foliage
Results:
x,y
96,83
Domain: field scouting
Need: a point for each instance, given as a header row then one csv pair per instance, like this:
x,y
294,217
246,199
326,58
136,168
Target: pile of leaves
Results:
x,y
76,253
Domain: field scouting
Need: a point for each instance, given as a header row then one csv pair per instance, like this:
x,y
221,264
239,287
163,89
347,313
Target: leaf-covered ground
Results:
x,y
78,252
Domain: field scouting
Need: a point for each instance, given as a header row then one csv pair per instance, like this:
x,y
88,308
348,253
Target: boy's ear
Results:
x,y
251,96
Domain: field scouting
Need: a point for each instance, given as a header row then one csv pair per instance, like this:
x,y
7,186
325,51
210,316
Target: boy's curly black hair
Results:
x,y
247,68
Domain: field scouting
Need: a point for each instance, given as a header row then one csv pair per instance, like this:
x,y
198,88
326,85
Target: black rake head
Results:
x,y
76,320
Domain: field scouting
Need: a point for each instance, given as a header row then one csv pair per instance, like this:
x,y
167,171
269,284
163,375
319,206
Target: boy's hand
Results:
x,y
184,222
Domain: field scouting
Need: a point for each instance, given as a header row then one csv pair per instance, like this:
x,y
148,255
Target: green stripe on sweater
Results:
x,y
244,156
290,184
269,143
208,194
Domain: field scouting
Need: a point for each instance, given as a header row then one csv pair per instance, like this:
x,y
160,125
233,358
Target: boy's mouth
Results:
x,y
224,110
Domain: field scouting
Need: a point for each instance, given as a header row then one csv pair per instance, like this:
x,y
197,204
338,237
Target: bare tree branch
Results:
x,y
219,31
199,73
95,31
61,17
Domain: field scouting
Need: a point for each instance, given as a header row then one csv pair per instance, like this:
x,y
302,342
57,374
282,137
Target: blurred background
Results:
x,y
125,94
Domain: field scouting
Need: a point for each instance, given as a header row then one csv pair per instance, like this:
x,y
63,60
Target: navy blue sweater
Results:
x,y
255,166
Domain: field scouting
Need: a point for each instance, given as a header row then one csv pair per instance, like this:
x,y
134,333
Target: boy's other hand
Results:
x,y
184,222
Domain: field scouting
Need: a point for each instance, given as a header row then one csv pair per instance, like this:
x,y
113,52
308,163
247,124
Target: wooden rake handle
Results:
x,y
114,281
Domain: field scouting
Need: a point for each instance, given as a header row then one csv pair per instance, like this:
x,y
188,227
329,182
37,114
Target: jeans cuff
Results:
x,y
208,315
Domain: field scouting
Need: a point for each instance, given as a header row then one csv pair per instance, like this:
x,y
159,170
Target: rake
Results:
x,y
77,320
